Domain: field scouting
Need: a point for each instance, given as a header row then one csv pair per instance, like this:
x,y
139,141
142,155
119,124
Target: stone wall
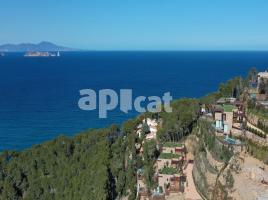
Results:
x,y
253,119
251,136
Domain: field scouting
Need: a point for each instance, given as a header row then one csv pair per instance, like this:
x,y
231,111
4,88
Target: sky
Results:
x,y
137,24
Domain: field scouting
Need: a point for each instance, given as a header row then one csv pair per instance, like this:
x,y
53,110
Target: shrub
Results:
x,y
256,132
261,125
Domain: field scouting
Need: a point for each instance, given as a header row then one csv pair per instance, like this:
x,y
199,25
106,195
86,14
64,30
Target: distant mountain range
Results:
x,y
42,46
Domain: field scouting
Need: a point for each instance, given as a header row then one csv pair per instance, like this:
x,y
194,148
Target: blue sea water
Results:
x,y
38,96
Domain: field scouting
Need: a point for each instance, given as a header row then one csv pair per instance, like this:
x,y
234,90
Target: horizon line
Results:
x,y
153,50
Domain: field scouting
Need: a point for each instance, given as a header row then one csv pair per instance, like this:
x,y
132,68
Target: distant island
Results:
x,y
41,54
29,47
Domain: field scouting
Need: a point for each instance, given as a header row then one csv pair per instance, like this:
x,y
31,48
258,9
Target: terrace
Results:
x,y
173,147
174,185
227,108
224,100
224,117
143,193
168,170
169,156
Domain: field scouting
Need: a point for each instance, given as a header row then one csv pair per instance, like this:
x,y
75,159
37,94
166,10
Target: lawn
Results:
x,y
169,156
168,170
172,144
228,108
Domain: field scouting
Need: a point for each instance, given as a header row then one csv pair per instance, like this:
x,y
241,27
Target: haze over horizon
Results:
x,y
138,25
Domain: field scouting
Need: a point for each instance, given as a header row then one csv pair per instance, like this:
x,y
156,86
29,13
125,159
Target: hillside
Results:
x,y
123,163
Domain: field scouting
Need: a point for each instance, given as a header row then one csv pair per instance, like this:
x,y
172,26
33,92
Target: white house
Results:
x,y
152,123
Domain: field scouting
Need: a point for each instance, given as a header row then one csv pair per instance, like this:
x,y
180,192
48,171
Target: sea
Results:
x,y
39,95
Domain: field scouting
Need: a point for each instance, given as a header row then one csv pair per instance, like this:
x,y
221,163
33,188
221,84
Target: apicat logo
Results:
x,y
109,100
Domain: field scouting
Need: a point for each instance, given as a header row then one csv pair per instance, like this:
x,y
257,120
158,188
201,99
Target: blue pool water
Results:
x,y
38,96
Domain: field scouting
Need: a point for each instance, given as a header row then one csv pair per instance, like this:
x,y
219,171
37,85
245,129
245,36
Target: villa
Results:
x,y
173,147
262,94
169,175
152,124
172,183
142,191
254,90
226,100
223,116
169,160
228,114
262,75
169,168
238,114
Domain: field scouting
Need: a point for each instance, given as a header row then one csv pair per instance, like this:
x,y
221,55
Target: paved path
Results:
x,y
190,191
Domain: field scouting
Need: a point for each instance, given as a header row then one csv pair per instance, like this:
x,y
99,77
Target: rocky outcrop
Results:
x,y
204,175
214,163
249,178
213,178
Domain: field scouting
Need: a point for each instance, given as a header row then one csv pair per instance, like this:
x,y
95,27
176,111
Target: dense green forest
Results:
x,y
95,164
98,164
64,168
